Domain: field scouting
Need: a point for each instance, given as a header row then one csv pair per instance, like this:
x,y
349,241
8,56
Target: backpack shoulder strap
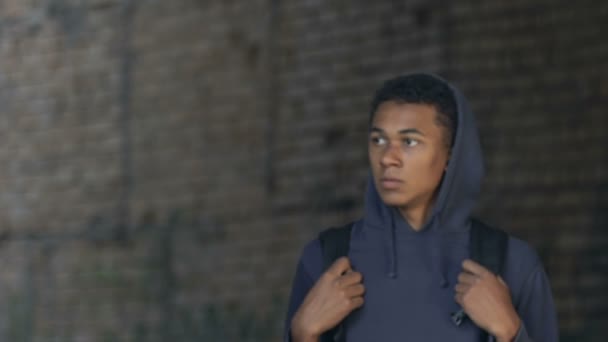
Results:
x,y
335,243
488,246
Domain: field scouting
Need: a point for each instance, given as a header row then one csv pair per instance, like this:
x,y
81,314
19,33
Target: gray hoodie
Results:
x,y
410,275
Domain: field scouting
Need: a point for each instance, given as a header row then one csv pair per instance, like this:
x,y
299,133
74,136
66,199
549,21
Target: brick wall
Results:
x,y
164,162
535,73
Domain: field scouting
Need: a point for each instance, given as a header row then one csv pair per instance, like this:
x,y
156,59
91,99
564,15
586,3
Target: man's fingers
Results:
x,y
349,278
467,278
458,298
355,290
339,267
356,302
475,268
461,288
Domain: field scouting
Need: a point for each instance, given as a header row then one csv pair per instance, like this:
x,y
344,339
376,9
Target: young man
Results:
x,y
408,267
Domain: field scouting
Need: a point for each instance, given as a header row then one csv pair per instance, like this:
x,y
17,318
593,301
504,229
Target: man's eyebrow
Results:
x,y
410,130
403,131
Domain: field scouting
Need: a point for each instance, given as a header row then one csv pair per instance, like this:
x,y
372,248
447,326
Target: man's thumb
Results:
x,y
340,266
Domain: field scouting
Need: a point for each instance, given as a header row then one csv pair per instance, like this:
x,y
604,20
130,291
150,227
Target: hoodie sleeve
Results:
x,y
303,282
536,309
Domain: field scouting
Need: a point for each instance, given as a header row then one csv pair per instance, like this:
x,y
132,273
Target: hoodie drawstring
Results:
x,y
392,252
443,269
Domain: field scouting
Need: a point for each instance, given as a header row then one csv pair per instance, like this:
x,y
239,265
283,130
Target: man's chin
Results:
x,y
394,199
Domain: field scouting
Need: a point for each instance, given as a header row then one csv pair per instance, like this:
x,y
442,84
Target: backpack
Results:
x,y
487,247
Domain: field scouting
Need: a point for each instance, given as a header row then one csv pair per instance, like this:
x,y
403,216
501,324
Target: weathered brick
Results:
x,y
178,124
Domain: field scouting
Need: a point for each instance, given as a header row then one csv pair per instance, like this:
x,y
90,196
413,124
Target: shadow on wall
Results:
x,y
140,289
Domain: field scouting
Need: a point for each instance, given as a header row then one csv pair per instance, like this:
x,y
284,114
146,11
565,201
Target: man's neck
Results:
x,y
416,216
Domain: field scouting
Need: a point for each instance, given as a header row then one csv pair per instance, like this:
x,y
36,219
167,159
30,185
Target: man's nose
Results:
x,y
391,156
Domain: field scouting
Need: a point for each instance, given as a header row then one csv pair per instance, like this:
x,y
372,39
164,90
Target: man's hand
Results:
x,y
337,292
486,300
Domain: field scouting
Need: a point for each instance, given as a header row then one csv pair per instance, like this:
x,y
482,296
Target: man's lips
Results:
x,y
389,183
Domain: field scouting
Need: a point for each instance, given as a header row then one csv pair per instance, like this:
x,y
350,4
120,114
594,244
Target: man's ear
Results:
x,y
447,161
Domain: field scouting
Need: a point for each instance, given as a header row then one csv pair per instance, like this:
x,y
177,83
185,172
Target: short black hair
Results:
x,y
421,89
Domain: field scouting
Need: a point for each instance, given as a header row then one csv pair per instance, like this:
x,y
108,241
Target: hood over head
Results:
x,y
455,200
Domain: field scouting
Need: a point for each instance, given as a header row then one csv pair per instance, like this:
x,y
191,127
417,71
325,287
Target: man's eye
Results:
x,y
410,142
378,141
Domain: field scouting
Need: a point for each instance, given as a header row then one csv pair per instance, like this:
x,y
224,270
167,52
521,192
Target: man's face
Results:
x,y
407,153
